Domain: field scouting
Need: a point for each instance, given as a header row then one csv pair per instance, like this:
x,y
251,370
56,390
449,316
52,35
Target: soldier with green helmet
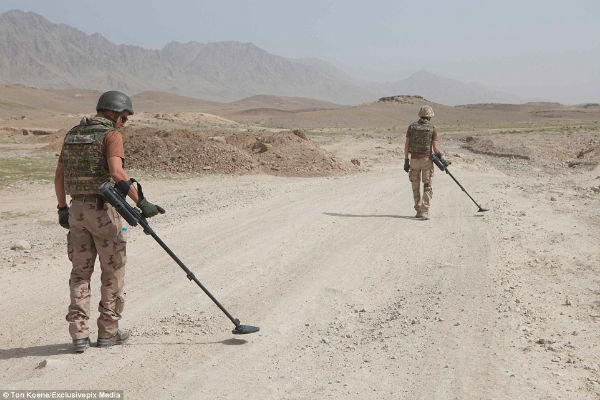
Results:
x,y
93,153
421,140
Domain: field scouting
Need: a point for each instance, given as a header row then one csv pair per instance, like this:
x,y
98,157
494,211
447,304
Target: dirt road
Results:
x,y
354,297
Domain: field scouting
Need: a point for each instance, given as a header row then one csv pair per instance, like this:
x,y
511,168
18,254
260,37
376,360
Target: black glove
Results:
x,y
406,164
149,209
443,160
63,216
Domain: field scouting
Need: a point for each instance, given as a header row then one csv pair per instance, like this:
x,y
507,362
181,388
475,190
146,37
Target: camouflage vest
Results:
x,y
421,136
85,166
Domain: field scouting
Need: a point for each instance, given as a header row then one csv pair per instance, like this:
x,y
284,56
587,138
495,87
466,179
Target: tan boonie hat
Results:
x,y
426,112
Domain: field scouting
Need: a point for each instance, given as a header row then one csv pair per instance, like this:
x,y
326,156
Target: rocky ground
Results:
x,y
355,298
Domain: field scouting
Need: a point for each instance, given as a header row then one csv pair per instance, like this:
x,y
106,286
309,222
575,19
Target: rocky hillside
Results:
x,y
36,52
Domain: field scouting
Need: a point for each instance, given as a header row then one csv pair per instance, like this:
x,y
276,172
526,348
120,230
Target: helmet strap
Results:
x,y
114,118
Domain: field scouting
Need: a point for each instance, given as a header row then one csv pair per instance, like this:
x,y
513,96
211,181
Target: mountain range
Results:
x,y
39,53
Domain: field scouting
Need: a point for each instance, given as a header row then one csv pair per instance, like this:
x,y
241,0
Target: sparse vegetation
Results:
x,y
27,168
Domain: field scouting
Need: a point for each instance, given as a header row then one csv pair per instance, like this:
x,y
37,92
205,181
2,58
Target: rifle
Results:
x,y
116,195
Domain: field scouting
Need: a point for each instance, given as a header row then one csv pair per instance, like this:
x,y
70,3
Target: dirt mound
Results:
x,y
183,151
287,153
283,153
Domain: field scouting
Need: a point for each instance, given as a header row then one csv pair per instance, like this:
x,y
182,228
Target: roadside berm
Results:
x,y
284,153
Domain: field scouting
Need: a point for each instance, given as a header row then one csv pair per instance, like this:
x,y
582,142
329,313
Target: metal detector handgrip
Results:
x,y
436,160
112,196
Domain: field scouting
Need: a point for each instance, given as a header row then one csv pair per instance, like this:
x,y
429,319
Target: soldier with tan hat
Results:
x,y
421,138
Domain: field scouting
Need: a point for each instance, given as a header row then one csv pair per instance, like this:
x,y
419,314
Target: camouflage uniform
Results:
x,y
94,230
421,169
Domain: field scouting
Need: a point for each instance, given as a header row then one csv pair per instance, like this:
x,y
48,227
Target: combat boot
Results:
x,y
422,215
80,345
120,337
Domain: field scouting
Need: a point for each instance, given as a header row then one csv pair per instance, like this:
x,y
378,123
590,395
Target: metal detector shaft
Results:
x,y
441,165
115,195
148,231
463,189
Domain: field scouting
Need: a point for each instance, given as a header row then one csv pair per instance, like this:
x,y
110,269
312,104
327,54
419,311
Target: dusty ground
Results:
x,y
354,298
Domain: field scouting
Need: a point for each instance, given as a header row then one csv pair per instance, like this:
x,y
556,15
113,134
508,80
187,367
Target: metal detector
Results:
x,y
116,197
437,161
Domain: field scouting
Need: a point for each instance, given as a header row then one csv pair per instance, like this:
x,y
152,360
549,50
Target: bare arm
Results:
x,y
115,166
436,148
406,143
59,184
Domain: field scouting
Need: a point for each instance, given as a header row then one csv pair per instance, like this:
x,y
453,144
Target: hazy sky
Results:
x,y
532,48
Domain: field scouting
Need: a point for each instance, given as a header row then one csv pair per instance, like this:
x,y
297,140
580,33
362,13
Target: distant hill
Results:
x,y
36,52
33,108
446,91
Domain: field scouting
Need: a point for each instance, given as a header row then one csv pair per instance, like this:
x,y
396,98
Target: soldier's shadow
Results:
x,y
67,348
36,351
368,215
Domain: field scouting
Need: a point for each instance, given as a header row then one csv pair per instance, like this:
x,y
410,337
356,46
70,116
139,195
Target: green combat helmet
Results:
x,y
115,101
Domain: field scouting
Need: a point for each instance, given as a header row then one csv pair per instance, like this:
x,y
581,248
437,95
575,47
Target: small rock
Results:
x,y
49,363
355,162
21,245
261,147
220,139
552,198
545,341
300,133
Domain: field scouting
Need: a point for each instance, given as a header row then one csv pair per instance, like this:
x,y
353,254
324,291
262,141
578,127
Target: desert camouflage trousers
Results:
x,y
95,232
421,169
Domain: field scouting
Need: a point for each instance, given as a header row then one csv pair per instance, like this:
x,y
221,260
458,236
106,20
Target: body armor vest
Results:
x,y
85,167
421,136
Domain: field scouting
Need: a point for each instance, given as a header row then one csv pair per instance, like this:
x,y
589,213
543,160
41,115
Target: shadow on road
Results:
x,y
36,351
66,348
368,215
